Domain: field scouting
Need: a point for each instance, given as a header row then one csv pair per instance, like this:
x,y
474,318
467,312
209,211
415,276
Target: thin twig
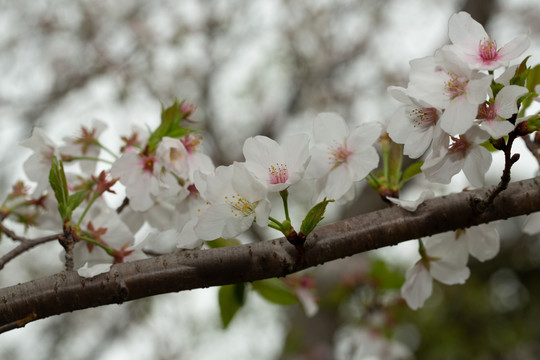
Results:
x,y
12,234
509,161
24,246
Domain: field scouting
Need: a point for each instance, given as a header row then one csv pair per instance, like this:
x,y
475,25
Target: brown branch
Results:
x,y
66,291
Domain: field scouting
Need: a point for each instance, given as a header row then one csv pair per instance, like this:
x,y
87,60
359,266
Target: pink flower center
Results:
x,y
191,142
423,117
487,49
486,111
455,86
339,154
148,164
278,174
459,145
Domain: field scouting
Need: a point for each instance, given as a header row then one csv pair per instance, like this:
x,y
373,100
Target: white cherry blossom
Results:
x,y
235,200
414,124
38,165
493,114
274,165
476,48
445,82
452,154
136,172
341,157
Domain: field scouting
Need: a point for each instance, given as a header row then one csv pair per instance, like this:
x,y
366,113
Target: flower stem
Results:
x,y
107,149
284,195
72,158
90,203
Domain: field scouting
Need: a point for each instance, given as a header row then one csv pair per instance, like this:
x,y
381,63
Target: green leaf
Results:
x,y
231,299
169,126
275,291
496,87
384,277
533,78
489,146
76,199
313,217
218,243
412,170
57,179
521,74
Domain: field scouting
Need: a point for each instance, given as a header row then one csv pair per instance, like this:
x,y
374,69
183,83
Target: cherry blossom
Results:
x,y
414,124
136,172
493,114
341,157
455,153
274,165
180,156
438,261
236,199
476,48
85,145
445,82
38,165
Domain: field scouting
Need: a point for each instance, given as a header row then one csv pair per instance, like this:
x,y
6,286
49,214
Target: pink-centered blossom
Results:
x,y
493,114
136,173
447,83
341,157
476,48
414,124
274,165
451,154
181,156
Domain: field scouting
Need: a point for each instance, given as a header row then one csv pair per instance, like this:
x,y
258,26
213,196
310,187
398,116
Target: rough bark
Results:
x,y
66,291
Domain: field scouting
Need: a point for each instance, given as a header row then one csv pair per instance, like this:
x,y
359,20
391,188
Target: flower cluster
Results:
x,y
454,104
175,188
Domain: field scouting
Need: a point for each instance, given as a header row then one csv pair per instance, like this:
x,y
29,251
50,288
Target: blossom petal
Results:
x,y
418,286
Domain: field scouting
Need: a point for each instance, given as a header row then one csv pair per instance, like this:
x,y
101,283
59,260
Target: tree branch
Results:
x,y
66,291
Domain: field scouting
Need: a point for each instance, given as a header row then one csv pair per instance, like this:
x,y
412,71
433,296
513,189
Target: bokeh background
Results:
x,y
256,67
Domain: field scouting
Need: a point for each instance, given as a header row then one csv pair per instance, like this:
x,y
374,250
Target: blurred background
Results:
x,y
256,67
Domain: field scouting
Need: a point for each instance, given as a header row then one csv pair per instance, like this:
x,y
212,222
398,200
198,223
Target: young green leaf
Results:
x,y
412,170
313,217
57,179
76,199
231,299
223,243
275,291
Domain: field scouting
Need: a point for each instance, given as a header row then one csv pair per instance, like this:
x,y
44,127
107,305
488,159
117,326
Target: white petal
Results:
x,y
329,128
448,273
412,205
91,271
477,163
459,116
483,241
417,287
532,224
465,32
505,102
514,48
